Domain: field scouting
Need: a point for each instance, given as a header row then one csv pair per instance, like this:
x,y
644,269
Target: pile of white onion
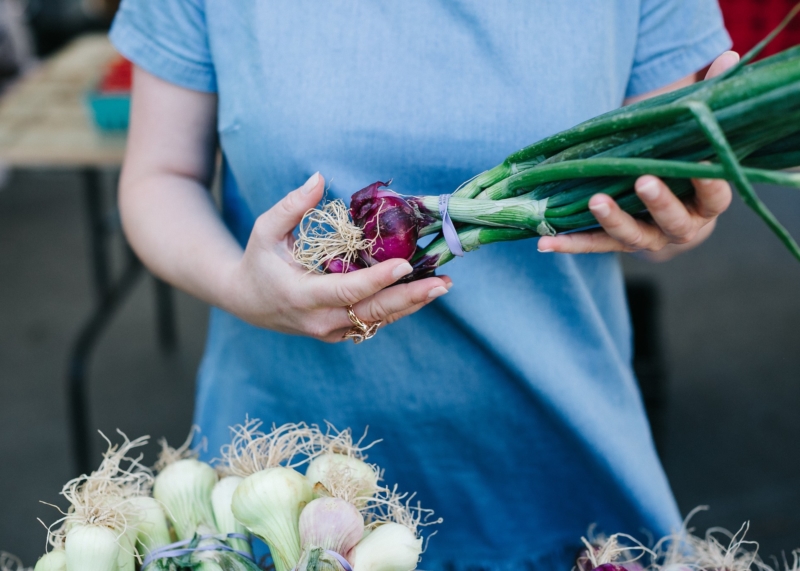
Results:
x,y
337,516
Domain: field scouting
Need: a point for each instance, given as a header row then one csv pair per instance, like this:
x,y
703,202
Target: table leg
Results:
x,y
165,316
98,230
110,295
77,398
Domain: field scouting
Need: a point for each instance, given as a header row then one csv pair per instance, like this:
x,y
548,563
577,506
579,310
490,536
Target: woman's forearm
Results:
x,y
173,226
167,213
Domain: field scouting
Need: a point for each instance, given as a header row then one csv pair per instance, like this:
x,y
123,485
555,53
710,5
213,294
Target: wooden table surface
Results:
x,y
45,119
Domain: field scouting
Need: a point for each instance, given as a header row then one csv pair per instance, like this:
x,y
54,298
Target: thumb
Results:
x,y
722,63
281,219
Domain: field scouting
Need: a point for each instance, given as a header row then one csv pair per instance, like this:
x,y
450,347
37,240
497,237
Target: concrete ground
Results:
x,y
729,329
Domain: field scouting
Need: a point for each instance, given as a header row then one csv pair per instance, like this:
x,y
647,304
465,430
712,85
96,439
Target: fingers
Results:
x,y
398,316
339,290
587,242
399,299
280,220
667,210
725,61
712,197
633,234
390,305
673,221
621,232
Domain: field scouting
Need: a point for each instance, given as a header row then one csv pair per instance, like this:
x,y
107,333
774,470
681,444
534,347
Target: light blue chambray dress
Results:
x,y
509,405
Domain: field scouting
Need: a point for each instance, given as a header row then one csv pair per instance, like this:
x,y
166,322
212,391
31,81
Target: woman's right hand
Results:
x,y
267,288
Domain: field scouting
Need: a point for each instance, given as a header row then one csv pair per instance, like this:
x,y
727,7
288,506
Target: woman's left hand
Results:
x,y
676,225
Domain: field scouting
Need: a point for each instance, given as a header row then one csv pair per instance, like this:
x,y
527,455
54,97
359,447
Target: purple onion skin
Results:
x,y
330,523
387,218
583,563
610,567
423,218
424,267
342,266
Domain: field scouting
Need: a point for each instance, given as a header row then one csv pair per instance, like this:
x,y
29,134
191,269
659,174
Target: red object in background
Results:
x,y
118,77
749,22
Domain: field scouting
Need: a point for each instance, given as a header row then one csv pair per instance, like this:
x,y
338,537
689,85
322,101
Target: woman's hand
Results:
x,y
174,226
268,289
676,226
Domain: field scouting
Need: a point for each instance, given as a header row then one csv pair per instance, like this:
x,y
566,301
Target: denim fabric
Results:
x,y
509,405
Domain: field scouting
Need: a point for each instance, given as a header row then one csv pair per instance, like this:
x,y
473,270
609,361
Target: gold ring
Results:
x,y
361,330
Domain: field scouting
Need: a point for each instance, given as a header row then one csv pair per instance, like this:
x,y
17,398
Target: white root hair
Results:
x,y
103,497
169,455
341,442
737,555
342,482
10,562
675,549
326,234
794,566
389,505
252,450
601,550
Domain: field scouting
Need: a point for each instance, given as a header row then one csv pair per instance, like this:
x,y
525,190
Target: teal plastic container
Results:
x,y
111,111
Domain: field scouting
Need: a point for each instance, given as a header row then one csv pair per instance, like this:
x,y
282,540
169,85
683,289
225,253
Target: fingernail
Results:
x,y
437,292
705,181
600,210
310,184
547,250
402,270
449,286
648,189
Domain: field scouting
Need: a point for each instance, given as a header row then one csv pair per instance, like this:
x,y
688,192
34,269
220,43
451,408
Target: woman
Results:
x,y
509,405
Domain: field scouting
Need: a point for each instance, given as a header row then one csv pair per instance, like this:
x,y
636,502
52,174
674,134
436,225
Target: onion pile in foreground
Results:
x,y
338,516
742,126
335,517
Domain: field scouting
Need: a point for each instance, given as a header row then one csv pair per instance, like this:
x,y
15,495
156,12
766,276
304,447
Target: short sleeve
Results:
x,y
676,38
168,38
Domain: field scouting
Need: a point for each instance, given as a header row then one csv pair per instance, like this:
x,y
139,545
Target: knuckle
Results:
x,y
684,232
614,222
597,244
656,245
345,294
636,240
685,237
286,205
375,311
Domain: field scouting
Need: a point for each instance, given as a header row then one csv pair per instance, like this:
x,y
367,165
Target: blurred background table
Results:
x,y
45,122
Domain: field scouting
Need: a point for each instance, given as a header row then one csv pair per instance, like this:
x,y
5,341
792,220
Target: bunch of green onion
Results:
x,y
192,515
742,126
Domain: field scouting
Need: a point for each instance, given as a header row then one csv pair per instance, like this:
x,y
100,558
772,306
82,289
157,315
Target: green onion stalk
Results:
x,y
742,126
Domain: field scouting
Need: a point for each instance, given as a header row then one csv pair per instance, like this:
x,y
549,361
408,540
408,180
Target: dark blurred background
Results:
x,y
717,330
